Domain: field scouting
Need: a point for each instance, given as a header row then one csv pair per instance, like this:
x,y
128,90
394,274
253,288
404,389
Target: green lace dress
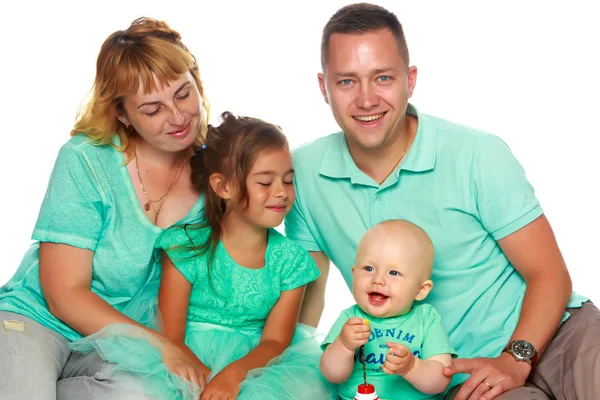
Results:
x,y
228,307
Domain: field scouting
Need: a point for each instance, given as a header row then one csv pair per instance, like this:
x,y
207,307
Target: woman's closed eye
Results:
x,y
183,96
153,113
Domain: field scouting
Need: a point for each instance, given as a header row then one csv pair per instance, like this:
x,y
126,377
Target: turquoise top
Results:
x,y
91,204
420,330
464,187
227,293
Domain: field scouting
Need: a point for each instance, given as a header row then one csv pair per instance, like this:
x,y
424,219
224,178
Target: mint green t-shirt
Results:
x,y
91,204
464,187
420,330
229,294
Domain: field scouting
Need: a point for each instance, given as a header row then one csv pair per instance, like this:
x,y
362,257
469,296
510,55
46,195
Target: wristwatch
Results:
x,y
522,350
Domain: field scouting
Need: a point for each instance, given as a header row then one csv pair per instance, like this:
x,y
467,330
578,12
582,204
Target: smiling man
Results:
x,y
502,287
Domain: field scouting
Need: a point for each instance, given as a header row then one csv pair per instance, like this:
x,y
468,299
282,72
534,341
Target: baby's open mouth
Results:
x,y
377,298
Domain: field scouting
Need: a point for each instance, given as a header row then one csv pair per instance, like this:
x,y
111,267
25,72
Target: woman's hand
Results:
x,y
225,385
180,364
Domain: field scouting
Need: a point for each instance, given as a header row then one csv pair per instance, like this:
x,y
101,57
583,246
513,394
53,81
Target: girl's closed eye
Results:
x,y
265,183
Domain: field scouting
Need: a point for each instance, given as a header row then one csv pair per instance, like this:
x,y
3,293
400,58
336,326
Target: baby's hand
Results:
x,y
399,360
355,333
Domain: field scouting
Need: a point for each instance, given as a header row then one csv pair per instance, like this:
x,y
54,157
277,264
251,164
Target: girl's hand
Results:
x,y
355,333
399,360
179,363
225,385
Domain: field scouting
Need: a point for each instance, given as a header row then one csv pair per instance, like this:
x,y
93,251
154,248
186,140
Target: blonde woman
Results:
x,y
119,181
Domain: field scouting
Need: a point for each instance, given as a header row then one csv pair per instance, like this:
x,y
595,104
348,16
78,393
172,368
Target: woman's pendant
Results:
x,y
147,206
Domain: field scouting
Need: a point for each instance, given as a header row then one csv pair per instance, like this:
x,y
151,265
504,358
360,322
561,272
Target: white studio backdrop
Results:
x,y
526,71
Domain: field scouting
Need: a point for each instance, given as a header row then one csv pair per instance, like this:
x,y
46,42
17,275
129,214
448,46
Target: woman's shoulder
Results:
x,y
185,235
81,146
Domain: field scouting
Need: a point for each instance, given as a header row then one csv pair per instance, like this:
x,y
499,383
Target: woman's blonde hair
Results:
x,y
147,50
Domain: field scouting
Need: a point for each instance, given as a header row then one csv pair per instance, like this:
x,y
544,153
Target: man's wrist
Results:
x,y
522,367
522,351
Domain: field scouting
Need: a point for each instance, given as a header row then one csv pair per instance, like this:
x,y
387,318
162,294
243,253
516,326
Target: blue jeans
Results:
x,y
37,363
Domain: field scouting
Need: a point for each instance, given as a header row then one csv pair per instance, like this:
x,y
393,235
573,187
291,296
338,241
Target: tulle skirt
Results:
x,y
292,375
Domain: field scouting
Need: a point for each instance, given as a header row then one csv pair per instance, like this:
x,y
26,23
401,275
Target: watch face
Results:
x,y
523,349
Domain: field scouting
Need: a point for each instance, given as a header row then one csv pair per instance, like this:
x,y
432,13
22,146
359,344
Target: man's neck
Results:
x,y
379,163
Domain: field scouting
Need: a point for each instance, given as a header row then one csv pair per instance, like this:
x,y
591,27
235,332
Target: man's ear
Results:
x,y
322,86
412,80
220,186
424,290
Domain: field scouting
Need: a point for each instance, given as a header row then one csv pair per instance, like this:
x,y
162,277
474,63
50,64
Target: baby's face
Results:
x,y
386,279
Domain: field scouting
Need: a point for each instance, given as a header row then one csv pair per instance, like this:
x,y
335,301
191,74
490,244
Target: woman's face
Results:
x,y
168,118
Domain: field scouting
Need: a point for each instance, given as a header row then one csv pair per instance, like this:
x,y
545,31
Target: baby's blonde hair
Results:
x,y
409,235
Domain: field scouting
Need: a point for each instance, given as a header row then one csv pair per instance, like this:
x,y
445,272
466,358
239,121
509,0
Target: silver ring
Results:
x,y
184,378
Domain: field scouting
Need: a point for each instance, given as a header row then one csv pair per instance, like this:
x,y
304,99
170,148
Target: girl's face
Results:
x,y
168,118
270,189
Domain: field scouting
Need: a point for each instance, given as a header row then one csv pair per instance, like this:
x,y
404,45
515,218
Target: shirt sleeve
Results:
x,y
336,329
72,212
505,199
180,244
301,271
296,226
436,339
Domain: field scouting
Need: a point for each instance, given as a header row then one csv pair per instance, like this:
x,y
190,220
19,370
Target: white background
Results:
x,y
525,71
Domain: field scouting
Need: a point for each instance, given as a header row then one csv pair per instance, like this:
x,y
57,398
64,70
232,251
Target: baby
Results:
x,y
405,345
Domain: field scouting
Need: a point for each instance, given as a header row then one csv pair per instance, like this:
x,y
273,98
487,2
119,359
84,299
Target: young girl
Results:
x,y
232,286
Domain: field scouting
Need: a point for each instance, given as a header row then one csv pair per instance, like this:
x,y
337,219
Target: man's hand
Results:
x,y
490,377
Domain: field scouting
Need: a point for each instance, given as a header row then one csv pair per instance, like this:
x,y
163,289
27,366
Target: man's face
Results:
x,y
367,85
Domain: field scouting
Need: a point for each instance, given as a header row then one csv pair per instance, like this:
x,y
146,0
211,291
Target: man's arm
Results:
x,y
314,297
534,253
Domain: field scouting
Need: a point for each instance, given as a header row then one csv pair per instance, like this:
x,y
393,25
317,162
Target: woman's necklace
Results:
x,y
408,142
150,203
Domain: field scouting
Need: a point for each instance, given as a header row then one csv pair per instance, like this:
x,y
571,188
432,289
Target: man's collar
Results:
x,y
338,163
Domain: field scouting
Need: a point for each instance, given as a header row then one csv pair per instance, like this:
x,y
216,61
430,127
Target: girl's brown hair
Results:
x,y
230,150
147,50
